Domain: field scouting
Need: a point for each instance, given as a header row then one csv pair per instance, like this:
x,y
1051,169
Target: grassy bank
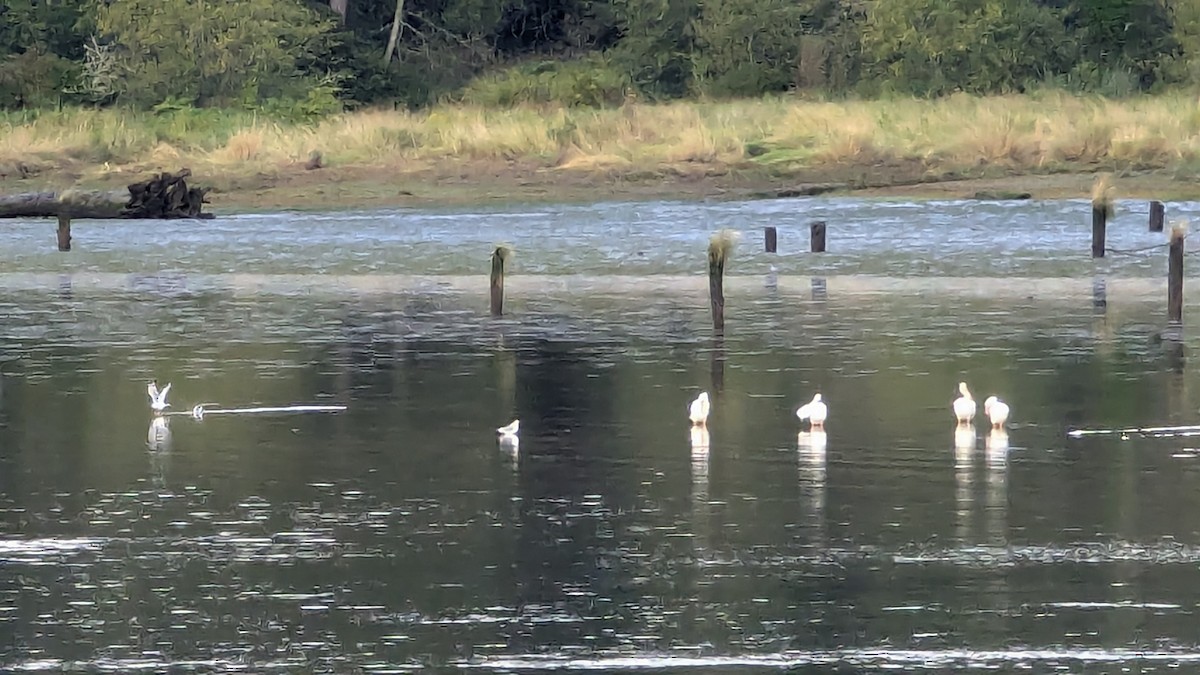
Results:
x,y
393,155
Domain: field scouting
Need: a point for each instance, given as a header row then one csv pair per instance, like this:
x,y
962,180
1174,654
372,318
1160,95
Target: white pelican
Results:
x,y
158,399
814,411
997,411
964,405
698,410
510,430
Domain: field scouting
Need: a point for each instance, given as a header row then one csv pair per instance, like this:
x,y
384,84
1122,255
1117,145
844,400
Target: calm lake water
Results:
x,y
398,535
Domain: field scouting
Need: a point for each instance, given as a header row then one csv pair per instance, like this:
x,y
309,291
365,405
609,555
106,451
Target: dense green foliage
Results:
x,y
305,57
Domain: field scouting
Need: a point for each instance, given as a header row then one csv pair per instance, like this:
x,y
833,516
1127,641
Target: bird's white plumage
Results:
x,y
158,399
510,429
698,410
964,405
815,411
996,410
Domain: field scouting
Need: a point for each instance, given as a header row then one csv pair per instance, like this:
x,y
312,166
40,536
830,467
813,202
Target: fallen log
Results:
x,y
164,196
167,195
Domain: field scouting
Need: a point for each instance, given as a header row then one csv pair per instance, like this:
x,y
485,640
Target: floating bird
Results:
x,y
814,411
698,410
964,405
509,431
158,399
997,411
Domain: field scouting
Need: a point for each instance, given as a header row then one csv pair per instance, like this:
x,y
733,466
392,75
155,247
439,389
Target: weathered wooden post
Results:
x,y
717,364
1099,223
770,239
64,232
1175,275
497,279
719,248
817,236
1157,213
1102,210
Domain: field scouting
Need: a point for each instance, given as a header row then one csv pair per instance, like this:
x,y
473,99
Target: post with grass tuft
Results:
x,y
817,236
770,239
64,232
497,279
720,246
1102,210
1175,274
1157,213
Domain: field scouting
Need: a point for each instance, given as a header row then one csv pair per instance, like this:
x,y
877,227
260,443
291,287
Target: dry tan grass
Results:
x,y
953,133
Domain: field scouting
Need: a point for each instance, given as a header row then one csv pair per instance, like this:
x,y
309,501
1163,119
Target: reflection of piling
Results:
x,y
819,291
1099,295
719,248
1175,276
817,237
497,280
1157,213
770,239
1102,210
64,233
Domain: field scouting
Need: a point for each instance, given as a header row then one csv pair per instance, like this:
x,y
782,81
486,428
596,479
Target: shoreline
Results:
x,y
464,184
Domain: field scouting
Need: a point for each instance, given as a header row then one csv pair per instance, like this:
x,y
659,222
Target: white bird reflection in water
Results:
x,y
997,486
810,452
997,447
699,438
158,437
511,445
964,482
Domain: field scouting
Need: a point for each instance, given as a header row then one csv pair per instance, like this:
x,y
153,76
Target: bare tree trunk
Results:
x,y
340,6
395,36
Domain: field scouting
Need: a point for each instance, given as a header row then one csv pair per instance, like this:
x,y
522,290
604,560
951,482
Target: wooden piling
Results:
x,y
1102,210
1175,276
497,280
717,364
1099,224
770,239
64,233
1157,213
719,248
817,236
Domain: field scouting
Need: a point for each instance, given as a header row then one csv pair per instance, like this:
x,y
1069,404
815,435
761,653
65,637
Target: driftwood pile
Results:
x,y
167,195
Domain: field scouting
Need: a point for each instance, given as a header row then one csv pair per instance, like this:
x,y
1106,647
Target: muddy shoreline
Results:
x,y
480,183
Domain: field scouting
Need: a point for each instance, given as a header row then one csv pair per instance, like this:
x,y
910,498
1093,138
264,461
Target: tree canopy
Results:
x,y
308,57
